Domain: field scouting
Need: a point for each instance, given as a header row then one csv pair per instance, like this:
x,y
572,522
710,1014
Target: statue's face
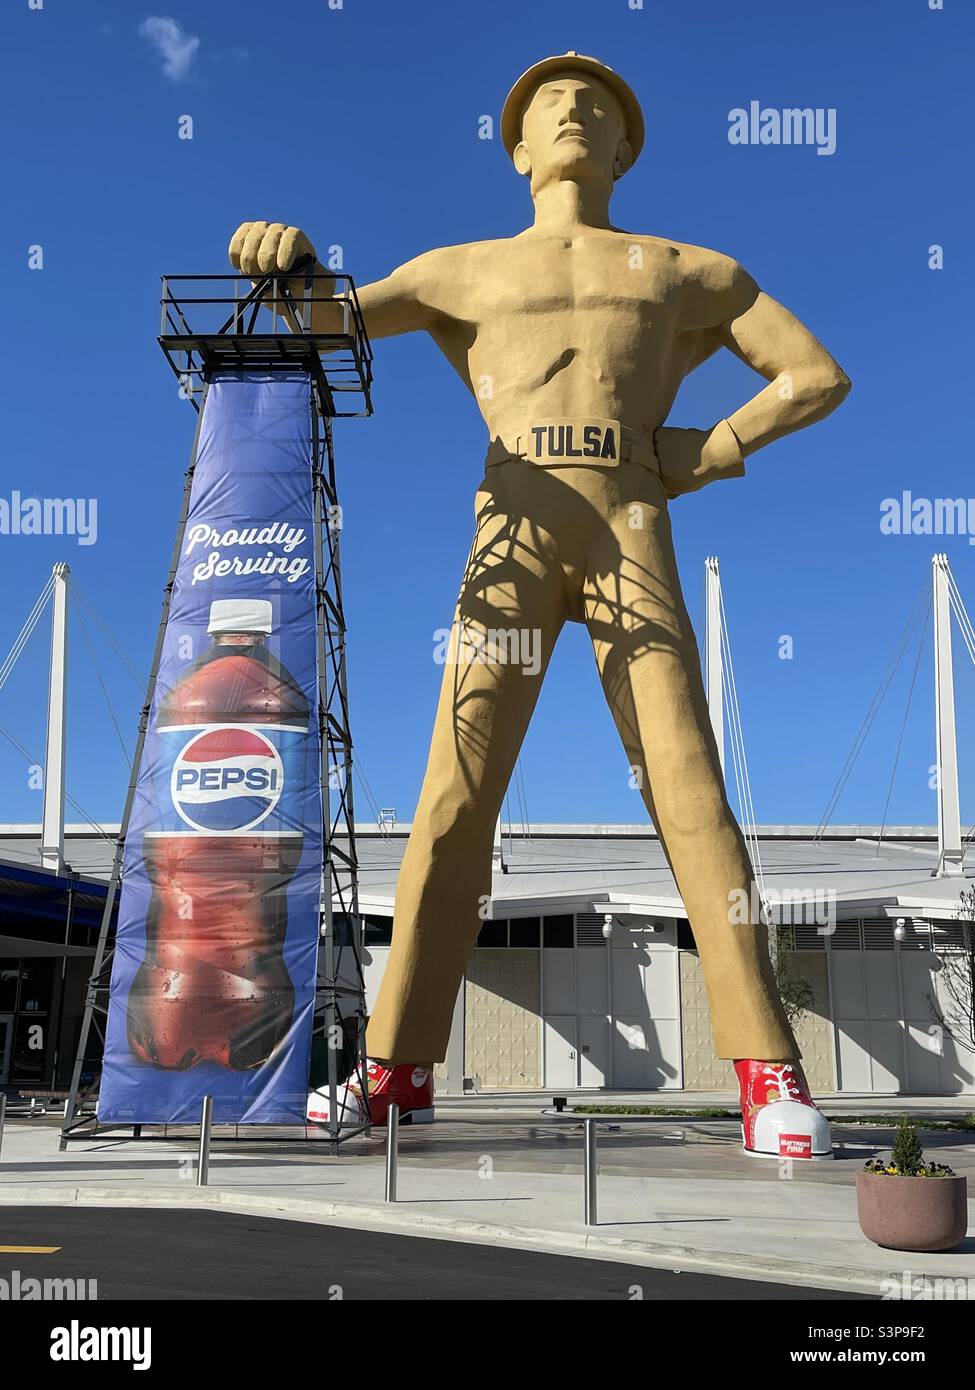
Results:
x,y
572,127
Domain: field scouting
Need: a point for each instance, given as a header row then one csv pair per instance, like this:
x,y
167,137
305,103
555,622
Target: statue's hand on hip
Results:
x,y
690,459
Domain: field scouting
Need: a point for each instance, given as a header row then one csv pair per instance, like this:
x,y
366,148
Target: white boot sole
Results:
x,y
418,1117
793,1158
796,1158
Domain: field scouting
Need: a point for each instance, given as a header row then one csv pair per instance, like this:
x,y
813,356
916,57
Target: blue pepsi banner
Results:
x,y
213,979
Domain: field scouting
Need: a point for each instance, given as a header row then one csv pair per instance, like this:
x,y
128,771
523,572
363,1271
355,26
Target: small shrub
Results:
x,y
906,1157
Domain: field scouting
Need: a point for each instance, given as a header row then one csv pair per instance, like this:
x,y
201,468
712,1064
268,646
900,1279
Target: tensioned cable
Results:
x,y
35,762
357,771
106,632
874,707
739,782
742,778
523,799
967,637
735,752
968,634
98,675
900,741
511,838
518,806
23,636
736,771
961,613
5,670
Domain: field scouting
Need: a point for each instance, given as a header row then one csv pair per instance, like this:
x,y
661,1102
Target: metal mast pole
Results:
x,y
950,851
497,853
52,829
712,652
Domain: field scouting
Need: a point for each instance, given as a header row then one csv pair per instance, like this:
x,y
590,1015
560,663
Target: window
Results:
x,y
30,1048
36,985
560,931
340,929
30,1026
9,975
377,931
685,937
493,934
525,931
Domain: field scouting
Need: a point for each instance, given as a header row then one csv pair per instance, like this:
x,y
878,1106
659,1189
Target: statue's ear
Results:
x,y
623,160
521,160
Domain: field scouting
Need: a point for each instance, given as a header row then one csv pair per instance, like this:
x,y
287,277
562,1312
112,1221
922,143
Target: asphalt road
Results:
x,y
172,1254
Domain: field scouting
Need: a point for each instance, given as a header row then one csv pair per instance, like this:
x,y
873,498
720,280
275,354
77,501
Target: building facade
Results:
x,y
585,975
548,1003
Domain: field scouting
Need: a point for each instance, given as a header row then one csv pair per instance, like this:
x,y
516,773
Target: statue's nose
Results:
x,y
571,111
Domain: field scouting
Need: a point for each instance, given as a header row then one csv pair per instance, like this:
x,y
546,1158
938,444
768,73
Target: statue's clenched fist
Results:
x,y
268,248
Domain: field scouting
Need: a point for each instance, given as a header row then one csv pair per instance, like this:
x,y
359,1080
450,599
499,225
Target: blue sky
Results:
x,y
361,124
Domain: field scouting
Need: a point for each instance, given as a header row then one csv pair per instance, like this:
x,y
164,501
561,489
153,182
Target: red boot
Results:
x,y
778,1117
410,1087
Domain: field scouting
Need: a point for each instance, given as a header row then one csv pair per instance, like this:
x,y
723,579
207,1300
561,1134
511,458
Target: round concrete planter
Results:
x,y
912,1213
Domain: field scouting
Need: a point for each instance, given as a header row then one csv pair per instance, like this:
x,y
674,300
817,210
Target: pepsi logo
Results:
x,y
227,778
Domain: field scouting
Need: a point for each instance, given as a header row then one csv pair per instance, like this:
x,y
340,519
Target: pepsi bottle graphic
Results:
x,y
220,852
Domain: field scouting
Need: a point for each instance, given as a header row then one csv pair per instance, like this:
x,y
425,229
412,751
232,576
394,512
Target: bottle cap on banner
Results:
x,y
241,615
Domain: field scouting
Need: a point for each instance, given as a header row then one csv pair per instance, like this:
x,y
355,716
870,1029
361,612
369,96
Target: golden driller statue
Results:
x,y
574,337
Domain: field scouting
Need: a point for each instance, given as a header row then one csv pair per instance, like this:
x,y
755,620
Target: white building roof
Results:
x,y
580,868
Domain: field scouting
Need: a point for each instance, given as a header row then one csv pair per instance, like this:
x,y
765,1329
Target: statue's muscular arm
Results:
x,y
407,300
401,303
721,306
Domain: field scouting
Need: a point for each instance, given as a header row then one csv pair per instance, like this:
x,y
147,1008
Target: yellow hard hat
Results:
x,y
517,99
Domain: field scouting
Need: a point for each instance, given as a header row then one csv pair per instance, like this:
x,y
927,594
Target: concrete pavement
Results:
x,y
672,1193
839,1103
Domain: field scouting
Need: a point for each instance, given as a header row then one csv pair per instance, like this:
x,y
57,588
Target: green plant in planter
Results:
x,y
906,1157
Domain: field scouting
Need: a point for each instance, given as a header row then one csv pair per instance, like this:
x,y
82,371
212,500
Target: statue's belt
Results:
x,y
583,441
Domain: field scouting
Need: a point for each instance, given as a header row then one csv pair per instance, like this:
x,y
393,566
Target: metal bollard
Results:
x,y
3,1115
392,1151
203,1161
591,1168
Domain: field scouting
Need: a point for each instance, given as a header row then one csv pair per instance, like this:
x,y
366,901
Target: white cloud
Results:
x,y
176,48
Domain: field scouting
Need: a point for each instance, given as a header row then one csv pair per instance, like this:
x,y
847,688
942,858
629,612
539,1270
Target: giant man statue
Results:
x,y
574,337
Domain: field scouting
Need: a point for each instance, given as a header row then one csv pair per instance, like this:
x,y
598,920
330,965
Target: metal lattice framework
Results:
x,y
217,323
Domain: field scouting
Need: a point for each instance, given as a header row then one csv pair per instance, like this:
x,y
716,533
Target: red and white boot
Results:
x,y
778,1117
410,1087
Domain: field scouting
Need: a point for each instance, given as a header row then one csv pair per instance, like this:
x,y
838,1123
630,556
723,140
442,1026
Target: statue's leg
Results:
x,y
647,658
509,614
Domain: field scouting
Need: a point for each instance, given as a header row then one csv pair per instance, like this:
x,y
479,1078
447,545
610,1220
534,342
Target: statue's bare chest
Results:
x,y
596,278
